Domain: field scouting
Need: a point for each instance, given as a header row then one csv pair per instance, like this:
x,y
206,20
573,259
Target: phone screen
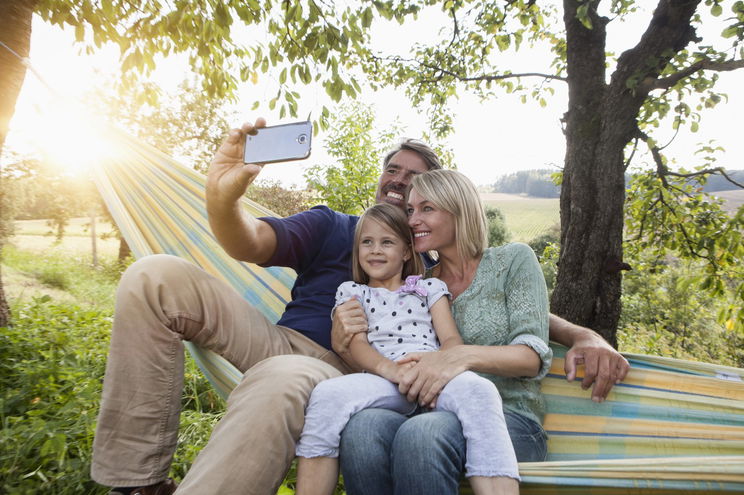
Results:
x,y
279,143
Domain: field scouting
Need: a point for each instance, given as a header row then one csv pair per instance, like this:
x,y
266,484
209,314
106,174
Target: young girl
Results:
x,y
405,314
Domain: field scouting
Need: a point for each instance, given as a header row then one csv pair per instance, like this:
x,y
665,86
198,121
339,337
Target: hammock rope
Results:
x,y
672,426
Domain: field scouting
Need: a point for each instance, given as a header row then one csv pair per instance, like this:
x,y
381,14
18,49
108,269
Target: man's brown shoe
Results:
x,y
166,487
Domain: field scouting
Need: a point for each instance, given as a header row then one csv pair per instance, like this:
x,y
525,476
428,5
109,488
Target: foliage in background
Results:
x,y
186,124
664,315
38,189
51,366
349,185
498,234
670,218
537,183
49,400
279,199
550,236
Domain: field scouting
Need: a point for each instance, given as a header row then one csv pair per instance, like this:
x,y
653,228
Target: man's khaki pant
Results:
x,y
161,301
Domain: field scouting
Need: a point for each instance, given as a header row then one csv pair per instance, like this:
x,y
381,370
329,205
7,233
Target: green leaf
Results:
x,y
367,17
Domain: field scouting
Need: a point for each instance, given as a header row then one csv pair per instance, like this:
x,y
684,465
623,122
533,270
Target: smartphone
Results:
x,y
279,143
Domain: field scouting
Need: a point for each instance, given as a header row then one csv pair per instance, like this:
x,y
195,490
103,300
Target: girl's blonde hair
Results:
x,y
452,192
394,219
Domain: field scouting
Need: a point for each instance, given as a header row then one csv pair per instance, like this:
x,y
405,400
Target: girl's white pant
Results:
x,y
473,399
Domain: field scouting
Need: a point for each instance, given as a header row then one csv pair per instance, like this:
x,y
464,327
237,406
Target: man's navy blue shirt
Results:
x,y
317,245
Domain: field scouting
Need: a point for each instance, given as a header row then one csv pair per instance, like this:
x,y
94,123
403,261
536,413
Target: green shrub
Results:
x,y
664,315
52,362
550,236
54,277
498,233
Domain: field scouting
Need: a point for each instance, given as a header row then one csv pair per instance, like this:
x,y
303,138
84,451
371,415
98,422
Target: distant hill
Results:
x,y
538,183
717,183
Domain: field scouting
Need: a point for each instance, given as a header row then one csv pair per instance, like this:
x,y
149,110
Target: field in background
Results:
x,y
734,199
526,218
35,235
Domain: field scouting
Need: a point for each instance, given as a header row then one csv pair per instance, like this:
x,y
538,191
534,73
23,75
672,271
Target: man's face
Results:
x,y
397,175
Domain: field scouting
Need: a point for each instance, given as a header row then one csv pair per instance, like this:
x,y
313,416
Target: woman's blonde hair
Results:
x,y
394,219
452,192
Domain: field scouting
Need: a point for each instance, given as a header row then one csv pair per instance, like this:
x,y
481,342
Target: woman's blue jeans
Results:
x,y
386,453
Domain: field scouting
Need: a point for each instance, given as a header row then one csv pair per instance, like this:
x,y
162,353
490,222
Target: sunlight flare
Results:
x,y
72,139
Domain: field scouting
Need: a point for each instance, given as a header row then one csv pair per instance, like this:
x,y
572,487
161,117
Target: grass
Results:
x,y
77,227
66,271
52,362
526,218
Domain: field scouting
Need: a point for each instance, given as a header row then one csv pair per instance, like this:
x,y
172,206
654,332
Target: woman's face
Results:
x,y
433,228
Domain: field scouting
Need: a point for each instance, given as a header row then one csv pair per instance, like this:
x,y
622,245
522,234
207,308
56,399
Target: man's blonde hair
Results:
x,y
452,192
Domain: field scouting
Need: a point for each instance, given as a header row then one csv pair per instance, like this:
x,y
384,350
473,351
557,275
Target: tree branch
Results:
x,y
495,77
663,171
704,64
456,30
715,170
688,239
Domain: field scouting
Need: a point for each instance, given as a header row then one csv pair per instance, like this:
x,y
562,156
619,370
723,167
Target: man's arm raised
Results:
x,y
603,365
241,235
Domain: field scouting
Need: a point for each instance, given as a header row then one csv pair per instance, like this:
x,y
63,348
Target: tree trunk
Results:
x,y
15,33
600,122
4,308
124,250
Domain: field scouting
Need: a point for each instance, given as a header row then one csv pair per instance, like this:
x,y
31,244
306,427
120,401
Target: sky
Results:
x,y
491,138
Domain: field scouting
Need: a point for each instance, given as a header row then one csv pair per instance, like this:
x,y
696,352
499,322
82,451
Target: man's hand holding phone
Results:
x,y
242,155
233,169
229,176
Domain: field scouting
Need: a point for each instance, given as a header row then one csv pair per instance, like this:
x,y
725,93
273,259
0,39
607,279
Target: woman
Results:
x,y
501,309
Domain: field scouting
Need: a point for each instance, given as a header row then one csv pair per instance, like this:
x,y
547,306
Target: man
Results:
x,y
163,300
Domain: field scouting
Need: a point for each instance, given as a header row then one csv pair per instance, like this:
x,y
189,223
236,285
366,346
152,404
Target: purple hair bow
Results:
x,y
410,287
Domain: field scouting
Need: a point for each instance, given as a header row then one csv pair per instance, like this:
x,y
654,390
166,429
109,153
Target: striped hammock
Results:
x,y
671,427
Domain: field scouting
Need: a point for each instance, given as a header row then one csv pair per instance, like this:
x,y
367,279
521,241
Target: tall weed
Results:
x,y
89,286
52,362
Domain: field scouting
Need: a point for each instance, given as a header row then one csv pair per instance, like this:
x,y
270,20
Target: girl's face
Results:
x,y
382,254
433,228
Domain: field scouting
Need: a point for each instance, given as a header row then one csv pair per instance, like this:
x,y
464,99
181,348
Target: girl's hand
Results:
x,y
430,373
401,369
392,371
